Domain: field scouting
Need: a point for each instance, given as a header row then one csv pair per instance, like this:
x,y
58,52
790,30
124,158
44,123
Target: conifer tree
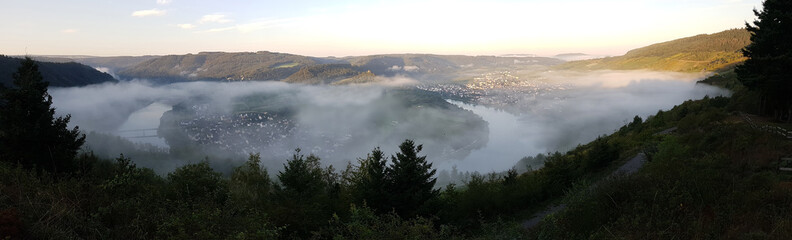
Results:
x,y
370,181
303,177
30,134
250,183
411,180
304,198
767,69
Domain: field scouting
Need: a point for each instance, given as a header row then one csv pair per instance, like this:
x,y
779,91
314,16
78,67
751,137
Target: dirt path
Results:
x,y
627,168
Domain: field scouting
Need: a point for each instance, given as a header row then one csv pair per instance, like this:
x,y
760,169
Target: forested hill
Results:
x,y
267,66
59,74
705,52
221,66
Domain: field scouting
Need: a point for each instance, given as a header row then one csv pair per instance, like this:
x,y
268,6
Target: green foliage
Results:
x,y
712,178
43,207
600,154
411,183
364,223
301,176
197,183
769,57
726,78
250,185
31,135
308,196
198,205
527,163
130,193
369,182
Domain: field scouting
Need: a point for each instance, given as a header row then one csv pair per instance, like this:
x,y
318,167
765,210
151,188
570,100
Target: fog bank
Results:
x,y
342,123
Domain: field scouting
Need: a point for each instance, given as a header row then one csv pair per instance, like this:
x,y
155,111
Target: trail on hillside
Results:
x,y
627,168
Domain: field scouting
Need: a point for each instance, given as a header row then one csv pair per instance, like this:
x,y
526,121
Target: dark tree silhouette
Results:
x,y
411,181
768,69
302,176
197,184
29,132
305,196
251,184
370,181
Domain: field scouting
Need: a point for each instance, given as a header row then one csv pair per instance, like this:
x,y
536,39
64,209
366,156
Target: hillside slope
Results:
x,y
221,66
322,74
115,64
705,52
310,70
61,74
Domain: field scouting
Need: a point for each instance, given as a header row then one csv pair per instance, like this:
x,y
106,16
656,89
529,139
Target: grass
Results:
x,y
286,65
714,178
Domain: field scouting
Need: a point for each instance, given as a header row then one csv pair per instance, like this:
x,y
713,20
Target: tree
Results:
x,y
302,177
370,181
30,135
767,69
411,182
250,184
600,154
305,200
197,184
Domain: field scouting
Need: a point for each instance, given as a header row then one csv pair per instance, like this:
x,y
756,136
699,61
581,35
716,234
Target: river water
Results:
x,y
141,125
561,120
547,121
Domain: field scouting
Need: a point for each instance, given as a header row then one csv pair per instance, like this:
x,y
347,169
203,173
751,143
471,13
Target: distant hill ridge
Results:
x,y
59,74
263,66
705,52
220,66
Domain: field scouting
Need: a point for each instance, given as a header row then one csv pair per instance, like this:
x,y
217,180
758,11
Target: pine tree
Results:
x,y
370,181
250,184
411,181
30,134
303,177
767,69
304,202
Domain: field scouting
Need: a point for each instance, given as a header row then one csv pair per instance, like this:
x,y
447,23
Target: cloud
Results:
x,y
70,30
214,18
164,2
616,78
149,12
185,26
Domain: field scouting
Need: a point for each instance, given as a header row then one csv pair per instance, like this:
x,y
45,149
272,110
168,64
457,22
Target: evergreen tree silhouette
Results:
x,y
768,69
30,134
370,182
411,181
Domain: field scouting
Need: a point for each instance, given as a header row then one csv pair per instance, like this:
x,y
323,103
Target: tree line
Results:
x,y
56,192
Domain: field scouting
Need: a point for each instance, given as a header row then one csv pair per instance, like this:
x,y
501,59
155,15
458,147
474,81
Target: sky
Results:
x,y
351,27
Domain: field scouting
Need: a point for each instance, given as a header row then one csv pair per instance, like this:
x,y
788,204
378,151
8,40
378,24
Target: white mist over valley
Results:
x,y
484,125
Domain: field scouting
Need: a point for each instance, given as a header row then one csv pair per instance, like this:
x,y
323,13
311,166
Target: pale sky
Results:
x,y
352,27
